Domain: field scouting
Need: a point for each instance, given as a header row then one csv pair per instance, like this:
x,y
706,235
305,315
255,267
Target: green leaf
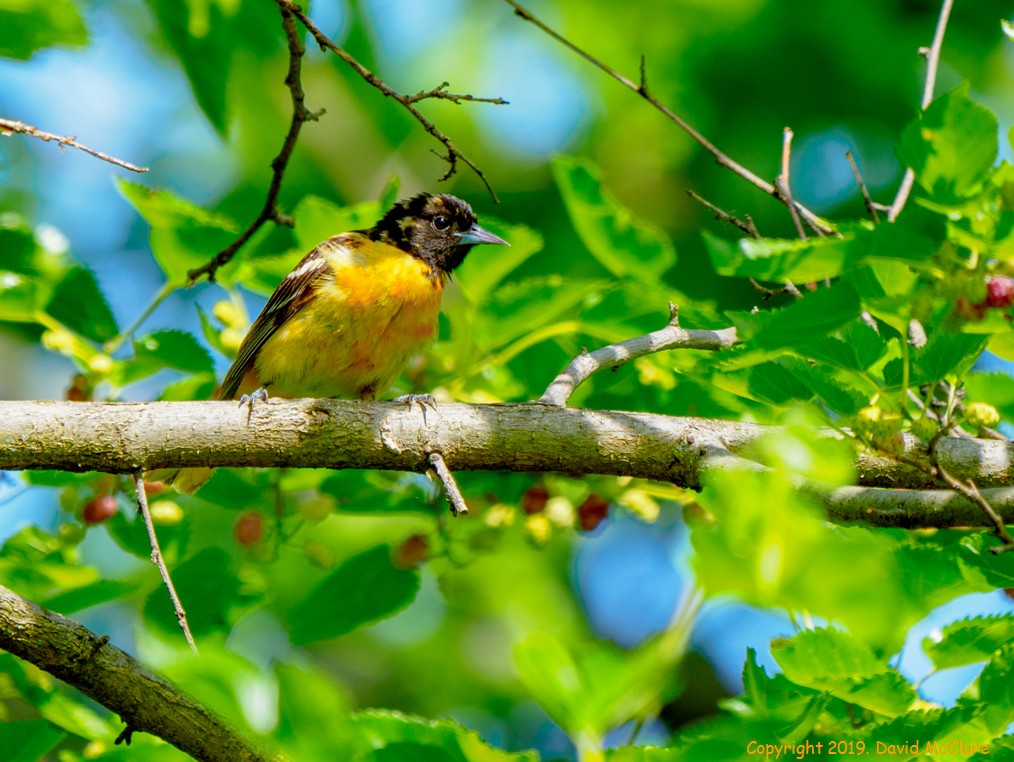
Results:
x,y
27,740
312,712
86,596
211,590
364,589
20,297
996,688
397,737
195,30
318,219
30,25
947,354
599,686
951,146
623,244
778,260
78,303
183,235
174,349
969,641
831,660
981,564
483,270
809,319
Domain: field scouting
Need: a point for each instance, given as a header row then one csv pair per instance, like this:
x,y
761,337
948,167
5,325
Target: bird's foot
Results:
x,y
422,400
260,395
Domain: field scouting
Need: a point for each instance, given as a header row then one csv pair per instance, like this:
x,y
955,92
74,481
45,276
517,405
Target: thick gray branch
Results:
x,y
126,437
144,701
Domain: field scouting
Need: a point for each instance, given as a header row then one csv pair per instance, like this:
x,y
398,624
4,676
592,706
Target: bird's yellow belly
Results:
x,y
357,334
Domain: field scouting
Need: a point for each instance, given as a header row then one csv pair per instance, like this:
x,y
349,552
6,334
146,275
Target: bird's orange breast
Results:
x,y
376,307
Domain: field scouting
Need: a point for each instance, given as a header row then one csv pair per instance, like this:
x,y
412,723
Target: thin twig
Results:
x,y
972,493
156,558
454,497
642,90
932,63
867,199
746,224
613,356
454,155
11,126
782,182
300,115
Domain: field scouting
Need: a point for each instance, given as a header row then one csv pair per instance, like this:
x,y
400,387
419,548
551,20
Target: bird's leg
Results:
x,y
259,395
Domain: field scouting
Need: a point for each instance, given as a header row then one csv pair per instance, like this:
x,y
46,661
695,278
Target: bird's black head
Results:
x,y
439,229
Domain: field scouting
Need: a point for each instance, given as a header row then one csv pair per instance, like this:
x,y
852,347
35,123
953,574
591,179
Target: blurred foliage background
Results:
x,y
503,622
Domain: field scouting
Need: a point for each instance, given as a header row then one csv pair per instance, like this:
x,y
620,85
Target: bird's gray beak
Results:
x,y
475,234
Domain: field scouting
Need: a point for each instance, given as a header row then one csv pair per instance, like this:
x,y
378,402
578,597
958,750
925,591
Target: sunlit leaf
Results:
x,y
951,146
623,244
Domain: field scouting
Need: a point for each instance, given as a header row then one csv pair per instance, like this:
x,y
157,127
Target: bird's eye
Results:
x,y
441,222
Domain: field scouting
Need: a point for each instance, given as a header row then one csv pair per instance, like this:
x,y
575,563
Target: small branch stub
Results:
x,y
454,496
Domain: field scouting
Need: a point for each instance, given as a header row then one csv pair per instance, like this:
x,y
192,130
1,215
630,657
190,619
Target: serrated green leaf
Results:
x,y
809,319
364,589
779,260
623,244
78,303
980,564
969,640
176,350
947,354
27,26
27,740
996,688
951,146
834,661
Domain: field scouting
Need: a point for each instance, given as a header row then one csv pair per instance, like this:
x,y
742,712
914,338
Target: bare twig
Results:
x,y
615,355
746,224
932,62
972,493
156,558
642,90
11,126
453,155
782,182
451,491
300,115
440,93
867,199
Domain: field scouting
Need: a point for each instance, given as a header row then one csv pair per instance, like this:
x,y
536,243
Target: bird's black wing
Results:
x,y
292,294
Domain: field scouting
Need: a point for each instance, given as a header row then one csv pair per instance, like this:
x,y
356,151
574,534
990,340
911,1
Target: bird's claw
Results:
x,y
422,400
260,395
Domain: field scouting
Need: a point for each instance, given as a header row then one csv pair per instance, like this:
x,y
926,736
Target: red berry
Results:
x,y
1000,292
591,512
99,508
534,499
965,310
248,528
153,488
412,552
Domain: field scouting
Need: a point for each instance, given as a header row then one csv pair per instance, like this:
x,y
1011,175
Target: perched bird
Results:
x,y
349,316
